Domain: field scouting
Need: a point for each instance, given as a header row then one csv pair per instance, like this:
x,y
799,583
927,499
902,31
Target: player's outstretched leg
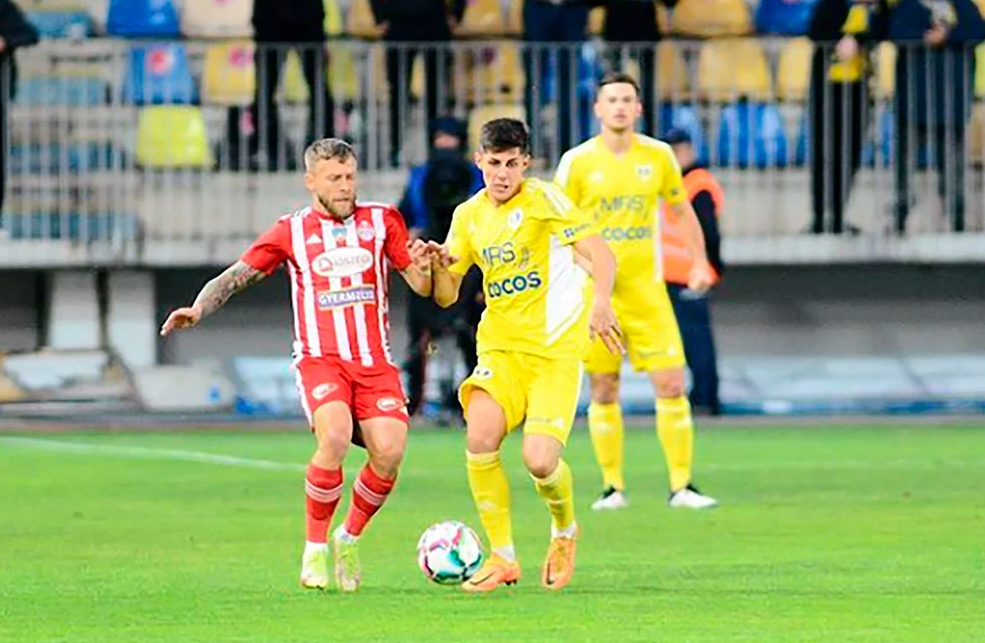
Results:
x,y
323,488
606,429
675,429
385,439
552,478
486,428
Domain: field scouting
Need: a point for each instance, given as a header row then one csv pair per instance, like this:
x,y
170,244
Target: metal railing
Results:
x,y
159,153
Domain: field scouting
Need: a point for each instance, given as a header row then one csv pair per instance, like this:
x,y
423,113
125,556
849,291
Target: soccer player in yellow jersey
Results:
x,y
524,235
621,176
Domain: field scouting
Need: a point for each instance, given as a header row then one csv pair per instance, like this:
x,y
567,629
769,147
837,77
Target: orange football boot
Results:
x,y
559,565
494,572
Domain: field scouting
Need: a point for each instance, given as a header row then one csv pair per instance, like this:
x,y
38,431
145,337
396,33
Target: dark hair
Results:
x,y
616,77
327,148
501,134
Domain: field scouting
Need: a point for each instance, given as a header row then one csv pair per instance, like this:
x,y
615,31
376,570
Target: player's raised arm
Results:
x,y
213,296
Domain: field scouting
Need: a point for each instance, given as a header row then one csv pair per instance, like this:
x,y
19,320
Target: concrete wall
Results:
x,y
815,311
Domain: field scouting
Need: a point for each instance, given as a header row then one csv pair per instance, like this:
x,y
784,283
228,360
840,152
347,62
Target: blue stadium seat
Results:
x,y
784,17
751,134
73,226
58,158
46,91
684,117
885,138
159,74
61,24
134,18
802,155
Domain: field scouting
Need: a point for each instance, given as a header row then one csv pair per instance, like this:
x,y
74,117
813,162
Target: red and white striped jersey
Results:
x,y
338,272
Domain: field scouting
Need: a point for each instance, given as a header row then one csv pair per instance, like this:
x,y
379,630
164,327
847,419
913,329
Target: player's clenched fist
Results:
x,y
603,324
419,255
440,255
181,318
700,278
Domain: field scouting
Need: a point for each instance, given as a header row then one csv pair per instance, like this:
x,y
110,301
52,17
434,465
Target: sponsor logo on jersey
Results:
x,y
323,390
571,232
366,231
628,202
514,285
342,262
633,233
387,404
482,373
346,297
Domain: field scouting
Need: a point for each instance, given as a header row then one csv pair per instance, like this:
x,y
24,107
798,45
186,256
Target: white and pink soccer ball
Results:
x,y
449,552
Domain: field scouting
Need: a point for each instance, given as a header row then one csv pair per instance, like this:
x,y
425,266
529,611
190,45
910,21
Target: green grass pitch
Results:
x,y
838,534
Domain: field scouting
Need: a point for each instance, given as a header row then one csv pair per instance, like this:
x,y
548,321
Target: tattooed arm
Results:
x,y
214,296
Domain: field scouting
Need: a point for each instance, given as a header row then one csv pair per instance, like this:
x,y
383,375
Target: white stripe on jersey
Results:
x,y
359,310
338,312
381,276
307,286
298,346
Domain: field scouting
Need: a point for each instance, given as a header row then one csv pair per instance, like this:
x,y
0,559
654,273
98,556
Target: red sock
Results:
x,y
322,489
368,494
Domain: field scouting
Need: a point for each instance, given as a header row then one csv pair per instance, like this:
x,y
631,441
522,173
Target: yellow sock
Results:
x,y
605,427
558,489
676,432
491,492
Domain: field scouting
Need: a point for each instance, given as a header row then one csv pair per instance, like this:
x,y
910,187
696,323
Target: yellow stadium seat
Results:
x,y
712,18
884,77
229,73
672,77
492,75
342,73
514,18
482,18
293,86
484,113
976,142
731,68
664,25
980,70
172,136
596,21
334,25
217,18
794,70
360,22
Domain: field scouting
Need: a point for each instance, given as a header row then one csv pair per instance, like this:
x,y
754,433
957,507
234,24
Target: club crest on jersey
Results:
x,y
322,391
644,172
329,299
366,231
342,262
514,219
387,404
339,233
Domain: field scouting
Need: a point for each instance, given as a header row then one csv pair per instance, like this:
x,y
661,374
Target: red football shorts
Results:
x,y
369,391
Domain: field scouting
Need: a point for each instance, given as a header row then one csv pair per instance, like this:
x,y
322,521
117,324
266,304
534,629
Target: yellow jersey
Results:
x,y
624,192
533,287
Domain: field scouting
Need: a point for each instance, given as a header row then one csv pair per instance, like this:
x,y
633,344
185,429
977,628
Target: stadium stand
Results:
x,y
55,23
172,136
359,22
784,17
142,18
482,18
711,18
229,75
159,74
217,18
733,68
793,75
752,135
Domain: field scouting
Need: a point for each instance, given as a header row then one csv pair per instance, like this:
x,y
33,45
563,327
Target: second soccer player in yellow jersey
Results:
x,y
524,234
621,176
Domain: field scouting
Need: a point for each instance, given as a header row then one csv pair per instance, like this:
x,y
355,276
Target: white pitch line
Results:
x,y
83,448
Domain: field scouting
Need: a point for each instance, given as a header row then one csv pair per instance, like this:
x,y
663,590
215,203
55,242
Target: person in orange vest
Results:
x,y
692,309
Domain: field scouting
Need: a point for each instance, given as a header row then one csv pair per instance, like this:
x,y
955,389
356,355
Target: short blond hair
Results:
x,y
325,149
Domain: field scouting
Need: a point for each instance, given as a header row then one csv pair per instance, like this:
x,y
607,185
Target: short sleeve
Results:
x,y
395,245
458,243
270,249
567,222
672,188
565,178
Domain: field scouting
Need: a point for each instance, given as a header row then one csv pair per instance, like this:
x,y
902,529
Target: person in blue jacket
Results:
x,y
433,192
935,72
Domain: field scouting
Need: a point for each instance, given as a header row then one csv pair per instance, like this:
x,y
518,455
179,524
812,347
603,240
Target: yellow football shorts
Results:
x,y
539,392
649,331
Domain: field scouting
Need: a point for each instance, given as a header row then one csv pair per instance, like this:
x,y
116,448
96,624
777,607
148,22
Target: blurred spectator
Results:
x,y
693,309
633,21
280,26
429,25
433,192
935,71
844,31
15,31
563,22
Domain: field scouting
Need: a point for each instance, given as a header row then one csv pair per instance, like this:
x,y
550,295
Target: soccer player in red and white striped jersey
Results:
x,y
338,253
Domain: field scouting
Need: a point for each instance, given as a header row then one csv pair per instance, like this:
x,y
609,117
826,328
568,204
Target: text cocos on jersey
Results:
x,y
506,254
630,203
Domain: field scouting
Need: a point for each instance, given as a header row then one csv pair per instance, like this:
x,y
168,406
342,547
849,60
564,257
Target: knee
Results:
x,y
540,462
386,459
605,388
485,422
669,384
483,441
